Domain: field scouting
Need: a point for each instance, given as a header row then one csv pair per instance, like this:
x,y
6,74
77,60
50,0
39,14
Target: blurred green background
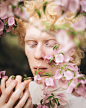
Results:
x,y
12,56
13,59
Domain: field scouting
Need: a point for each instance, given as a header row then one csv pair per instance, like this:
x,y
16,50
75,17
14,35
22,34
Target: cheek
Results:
x,y
49,51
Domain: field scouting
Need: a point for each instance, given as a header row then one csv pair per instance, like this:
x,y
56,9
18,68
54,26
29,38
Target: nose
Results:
x,y
39,52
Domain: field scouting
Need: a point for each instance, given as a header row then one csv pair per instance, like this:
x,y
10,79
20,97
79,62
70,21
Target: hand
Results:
x,y
7,91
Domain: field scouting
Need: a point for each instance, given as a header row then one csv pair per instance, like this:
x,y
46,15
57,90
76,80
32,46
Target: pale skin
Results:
x,y
37,45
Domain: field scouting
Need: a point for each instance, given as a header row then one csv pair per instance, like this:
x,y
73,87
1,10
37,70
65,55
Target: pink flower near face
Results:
x,y
63,83
59,58
58,75
68,75
83,5
73,5
49,82
1,25
37,79
11,21
62,37
47,58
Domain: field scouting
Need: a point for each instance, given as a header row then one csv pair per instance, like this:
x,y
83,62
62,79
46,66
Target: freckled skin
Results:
x,y
37,45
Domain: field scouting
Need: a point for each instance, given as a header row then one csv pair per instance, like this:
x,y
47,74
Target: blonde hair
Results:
x,y
51,17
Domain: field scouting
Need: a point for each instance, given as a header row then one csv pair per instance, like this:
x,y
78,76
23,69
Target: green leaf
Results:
x,y
78,84
44,8
57,101
44,3
61,69
53,65
70,82
38,12
65,65
52,94
84,13
51,60
74,74
25,75
77,13
69,69
63,12
5,22
81,78
51,103
36,72
41,101
21,8
49,97
55,47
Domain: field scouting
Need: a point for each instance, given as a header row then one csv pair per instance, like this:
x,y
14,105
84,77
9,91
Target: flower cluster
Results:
x,y
67,75
72,5
6,24
8,10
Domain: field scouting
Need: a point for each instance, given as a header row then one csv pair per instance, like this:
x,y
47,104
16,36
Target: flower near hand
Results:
x,y
38,79
49,82
2,74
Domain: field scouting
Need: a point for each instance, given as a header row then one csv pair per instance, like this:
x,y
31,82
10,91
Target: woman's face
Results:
x,y
37,45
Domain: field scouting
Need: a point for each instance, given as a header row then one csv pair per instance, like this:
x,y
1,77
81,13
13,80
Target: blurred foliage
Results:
x,y
12,56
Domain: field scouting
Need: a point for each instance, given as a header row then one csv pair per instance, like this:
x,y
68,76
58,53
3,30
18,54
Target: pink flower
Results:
x,y
4,17
49,82
1,25
59,58
62,35
61,2
22,14
47,58
63,83
37,79
68,75
73,5
3,8
11,21
58,75
80,25
2,74
61,98
83,5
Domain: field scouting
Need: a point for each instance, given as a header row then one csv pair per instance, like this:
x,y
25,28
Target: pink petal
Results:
x,y
68,75
11,21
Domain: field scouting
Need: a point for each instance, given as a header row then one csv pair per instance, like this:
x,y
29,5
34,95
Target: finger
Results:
x,y
0,90
19,79
7,92
23,100
15,96
3,83
9,81
29,103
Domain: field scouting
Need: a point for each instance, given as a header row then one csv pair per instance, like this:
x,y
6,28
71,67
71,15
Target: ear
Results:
x,y
72,51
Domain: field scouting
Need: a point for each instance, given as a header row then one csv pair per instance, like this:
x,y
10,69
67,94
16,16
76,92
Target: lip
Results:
x,y
42,69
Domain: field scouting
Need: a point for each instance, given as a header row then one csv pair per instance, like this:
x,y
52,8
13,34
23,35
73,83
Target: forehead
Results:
x,y
35,33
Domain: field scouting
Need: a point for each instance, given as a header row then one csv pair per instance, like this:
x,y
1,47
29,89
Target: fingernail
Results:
x,y
23,84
